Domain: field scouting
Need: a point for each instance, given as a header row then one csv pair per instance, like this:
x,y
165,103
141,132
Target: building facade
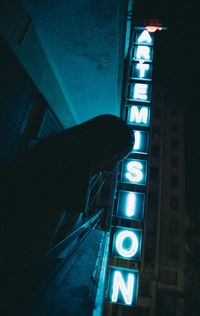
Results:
x,y
165,224
162,268
35,103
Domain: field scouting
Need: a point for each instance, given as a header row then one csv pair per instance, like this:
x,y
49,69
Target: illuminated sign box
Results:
x,y
141,71
140,92
138,115
141,142
143,37
127,243
123,286
130,205
134,171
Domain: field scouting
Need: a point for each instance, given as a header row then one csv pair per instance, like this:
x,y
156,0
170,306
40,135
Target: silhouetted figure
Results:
x,y
51,177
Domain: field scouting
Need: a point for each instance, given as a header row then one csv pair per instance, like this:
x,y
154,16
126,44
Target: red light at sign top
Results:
x,y
152,29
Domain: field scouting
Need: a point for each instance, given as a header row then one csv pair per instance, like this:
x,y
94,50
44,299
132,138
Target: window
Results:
x,y
174,143
173,226
138,310
170,305
174,113
115,309
168,276
145,311
156,96
174,181
173,202
151,226
168,300
156,112
149,254
173,252
150,235
154,173
153,199
155,151
155,132
174,161
145,289
174,126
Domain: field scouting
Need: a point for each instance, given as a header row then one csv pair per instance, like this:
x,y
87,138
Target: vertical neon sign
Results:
x,y
127,241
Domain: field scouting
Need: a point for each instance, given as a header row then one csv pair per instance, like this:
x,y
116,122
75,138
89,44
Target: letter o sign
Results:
x,y
130,251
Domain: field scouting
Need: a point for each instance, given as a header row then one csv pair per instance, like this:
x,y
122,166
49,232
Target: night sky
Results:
x,y
176,66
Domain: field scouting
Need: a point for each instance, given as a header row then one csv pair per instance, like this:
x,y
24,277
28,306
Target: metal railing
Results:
x,y
60,251
53,252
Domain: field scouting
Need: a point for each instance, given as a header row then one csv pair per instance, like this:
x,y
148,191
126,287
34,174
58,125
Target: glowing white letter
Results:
x,y
140,91
142,68
134,173
137,140
143,53
130,204
126,289
145,37
139,116
127,253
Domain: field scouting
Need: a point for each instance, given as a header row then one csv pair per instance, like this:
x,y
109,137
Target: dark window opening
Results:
x,y
145,287
174,161
155,132
170,305
149,254
155,151
156,96
174,113
173,226
168,276
174,126
173,202
173,252
174,181
174,143
153,199
154,173
156,112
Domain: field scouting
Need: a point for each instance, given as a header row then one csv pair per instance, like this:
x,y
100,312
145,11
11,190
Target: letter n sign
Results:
x,y
123,286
